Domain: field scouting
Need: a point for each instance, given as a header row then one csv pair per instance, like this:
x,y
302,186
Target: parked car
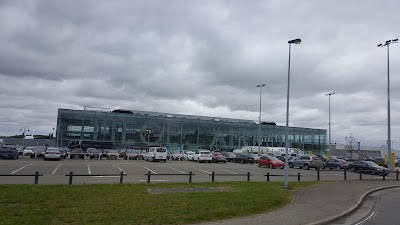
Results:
x,y
142,155
177,155
367,167
38,151
230,156
94,153
121,153
306,162
28,151
270,161
64,152
218,157
131,154
255,156
336,164
52,153
157,154
202,155
77,152
244,158
112,154
188,155
8,153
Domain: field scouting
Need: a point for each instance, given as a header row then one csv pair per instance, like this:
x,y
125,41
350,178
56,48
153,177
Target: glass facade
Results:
x,y
175,131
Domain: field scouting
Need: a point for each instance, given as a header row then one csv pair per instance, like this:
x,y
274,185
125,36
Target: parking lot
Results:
x,y
96,171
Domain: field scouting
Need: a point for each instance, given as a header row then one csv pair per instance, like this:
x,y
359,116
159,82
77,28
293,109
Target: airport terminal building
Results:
x,y
117,128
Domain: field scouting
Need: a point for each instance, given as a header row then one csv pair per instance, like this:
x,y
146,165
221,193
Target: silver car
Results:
x,y
52,153
306,162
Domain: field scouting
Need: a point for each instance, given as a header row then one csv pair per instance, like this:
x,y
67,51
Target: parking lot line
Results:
x,y
173,169
147,169
202,170
56,169
227,171
21,168
119,168
88,167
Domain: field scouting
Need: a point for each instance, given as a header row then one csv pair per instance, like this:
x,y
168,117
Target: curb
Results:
x,y
353,208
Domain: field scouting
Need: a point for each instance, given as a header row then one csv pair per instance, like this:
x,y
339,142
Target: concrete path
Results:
x,y
318,204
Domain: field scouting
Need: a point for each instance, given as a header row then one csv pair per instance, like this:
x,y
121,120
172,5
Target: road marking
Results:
x,y
227,171
147,169
173,169
106,176
203,170
251,172
88,167
20,168
56,169
119,168
369,217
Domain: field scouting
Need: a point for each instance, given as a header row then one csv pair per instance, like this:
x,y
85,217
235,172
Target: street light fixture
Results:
x,y
259,118
387,43
329,95
286,184
24,129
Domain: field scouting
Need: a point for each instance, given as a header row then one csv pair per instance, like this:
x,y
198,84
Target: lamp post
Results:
x,y
329,96
259,118
286,184
23,140
389,149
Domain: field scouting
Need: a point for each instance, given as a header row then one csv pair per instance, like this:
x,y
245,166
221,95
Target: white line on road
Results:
x,y
147,169
227,171
119,168
369,217
106,176
173,169
88,167
203,171
21,168
153,180
56,169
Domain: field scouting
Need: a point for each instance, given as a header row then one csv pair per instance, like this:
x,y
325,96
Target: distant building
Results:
x,y
365,151
130,128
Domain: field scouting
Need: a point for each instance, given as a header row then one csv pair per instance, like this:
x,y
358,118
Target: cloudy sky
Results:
x,y
202,58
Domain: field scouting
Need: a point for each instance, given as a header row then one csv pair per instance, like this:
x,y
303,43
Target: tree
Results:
x,y
351,145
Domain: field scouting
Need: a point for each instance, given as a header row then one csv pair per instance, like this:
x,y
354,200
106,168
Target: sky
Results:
x,y
203,58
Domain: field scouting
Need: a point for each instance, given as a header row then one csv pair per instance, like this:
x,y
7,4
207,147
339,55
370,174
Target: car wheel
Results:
x,y
209,161
323,166
306,167
352,169
244,162
291,165
373,173
338,167
258,164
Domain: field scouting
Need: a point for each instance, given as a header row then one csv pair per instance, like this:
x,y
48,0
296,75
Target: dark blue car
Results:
x,y
8,153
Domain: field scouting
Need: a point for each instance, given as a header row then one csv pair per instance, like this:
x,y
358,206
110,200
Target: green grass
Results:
x,y
133,204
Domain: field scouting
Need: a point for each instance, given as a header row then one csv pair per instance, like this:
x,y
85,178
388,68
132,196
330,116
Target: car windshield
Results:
x,y
132,151
95,150
29,148
161,150
6,149
112,151
52,150
370,163
190,153
205,153
273,158
176,152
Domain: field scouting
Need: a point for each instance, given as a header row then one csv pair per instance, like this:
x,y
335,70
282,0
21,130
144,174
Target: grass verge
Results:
x,y
133,204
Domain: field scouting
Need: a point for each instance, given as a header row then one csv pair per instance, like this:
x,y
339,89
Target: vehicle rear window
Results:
x,y
161,150
205,153
315,157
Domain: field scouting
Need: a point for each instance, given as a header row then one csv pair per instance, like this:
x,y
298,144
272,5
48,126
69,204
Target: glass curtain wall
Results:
x,y
179,132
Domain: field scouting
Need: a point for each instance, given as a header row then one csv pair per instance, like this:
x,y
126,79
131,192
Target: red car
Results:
x,y
270,161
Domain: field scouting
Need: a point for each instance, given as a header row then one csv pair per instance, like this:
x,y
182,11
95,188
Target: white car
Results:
x,y
203,156
188,156
157,154
52,153
28,151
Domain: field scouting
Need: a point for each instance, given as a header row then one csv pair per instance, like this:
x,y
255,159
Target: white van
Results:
x,y
156,154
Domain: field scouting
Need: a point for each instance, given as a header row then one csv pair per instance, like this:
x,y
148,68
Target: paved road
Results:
x,y
378,208
54,171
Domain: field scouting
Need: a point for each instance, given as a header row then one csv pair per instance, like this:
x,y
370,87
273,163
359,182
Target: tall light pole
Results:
x,y
286,184
387,43
259,118
329,96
